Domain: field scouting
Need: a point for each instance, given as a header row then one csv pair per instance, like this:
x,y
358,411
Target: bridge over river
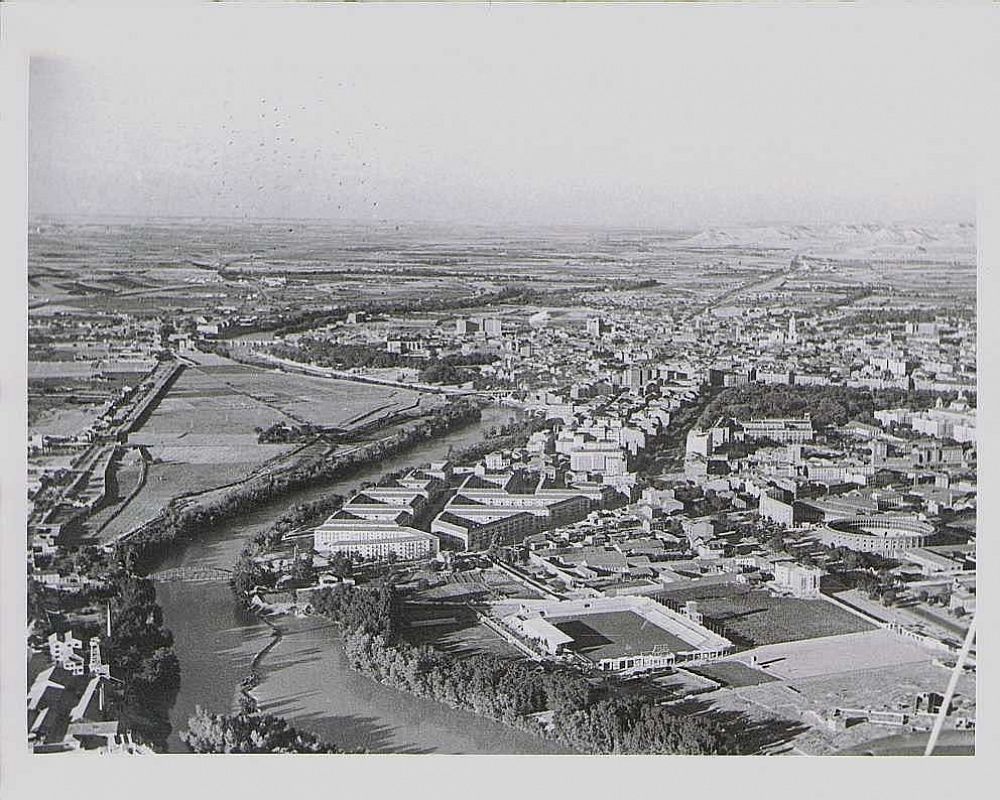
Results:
x,y
192,574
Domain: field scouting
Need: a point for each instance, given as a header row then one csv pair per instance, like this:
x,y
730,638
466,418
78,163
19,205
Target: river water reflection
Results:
x,y
306,678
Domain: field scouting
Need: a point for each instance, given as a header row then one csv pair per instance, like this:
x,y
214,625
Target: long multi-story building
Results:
x,y
476,527
793,430
509,507
373,539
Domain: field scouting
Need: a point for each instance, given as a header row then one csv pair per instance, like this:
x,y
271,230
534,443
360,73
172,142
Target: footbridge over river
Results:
x,y
191,574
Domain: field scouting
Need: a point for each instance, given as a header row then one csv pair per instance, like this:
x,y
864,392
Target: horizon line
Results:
x,y
40,216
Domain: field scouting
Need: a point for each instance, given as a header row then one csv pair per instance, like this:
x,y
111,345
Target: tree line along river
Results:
x,y
306,678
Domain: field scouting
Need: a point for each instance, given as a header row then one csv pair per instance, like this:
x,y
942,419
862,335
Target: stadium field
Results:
x,y
616,633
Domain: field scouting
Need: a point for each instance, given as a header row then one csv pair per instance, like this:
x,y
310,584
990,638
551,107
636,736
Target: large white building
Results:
x,y
604,458
493,326
956,422
785,431
799,580
373,539
77,656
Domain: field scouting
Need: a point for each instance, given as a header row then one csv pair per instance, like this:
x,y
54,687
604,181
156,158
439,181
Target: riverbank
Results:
x,y
216,639
306,678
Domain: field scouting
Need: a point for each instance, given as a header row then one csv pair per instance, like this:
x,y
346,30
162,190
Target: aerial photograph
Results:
x,y
406,392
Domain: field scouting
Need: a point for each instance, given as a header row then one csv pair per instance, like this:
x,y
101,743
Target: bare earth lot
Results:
x,y
876,670
835,654
732,673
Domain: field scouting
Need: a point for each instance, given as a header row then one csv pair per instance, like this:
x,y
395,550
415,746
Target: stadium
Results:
x,y
885,535
616,633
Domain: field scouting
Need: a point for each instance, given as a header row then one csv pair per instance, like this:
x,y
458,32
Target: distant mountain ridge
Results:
x,y
843,237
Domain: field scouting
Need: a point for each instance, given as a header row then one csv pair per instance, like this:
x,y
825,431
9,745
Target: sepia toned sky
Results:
x,y
652,116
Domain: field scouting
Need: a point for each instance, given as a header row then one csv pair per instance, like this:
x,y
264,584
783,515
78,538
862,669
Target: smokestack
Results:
x,y
109,619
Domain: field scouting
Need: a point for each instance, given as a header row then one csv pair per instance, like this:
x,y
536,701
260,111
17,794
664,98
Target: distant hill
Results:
x,y
863,239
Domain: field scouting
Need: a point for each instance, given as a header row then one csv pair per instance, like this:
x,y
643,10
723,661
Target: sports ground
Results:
x,y
616,633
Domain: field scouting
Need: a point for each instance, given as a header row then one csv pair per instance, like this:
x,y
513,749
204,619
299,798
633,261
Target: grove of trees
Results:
x,y
827,405
248,731
140,652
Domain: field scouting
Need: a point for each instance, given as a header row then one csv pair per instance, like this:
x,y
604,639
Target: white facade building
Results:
x,y
373,539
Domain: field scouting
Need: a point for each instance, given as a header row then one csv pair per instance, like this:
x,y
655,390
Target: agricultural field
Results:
x,y
126,479
164,482
60,421
47,370
754,617
201,402
321,401
203,433
65,406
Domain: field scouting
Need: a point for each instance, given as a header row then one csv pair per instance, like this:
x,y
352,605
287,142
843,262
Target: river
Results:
x,y
305,677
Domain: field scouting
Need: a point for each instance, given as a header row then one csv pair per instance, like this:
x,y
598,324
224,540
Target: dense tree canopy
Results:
x,y
140,651
825,404
248,732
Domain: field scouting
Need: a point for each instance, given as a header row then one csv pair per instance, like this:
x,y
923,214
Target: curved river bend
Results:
x,y
305,677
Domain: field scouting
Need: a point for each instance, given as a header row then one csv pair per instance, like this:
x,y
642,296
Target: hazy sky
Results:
x,y
653,116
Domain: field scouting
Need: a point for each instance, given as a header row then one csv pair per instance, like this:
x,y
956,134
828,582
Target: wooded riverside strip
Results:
x,y
605,717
